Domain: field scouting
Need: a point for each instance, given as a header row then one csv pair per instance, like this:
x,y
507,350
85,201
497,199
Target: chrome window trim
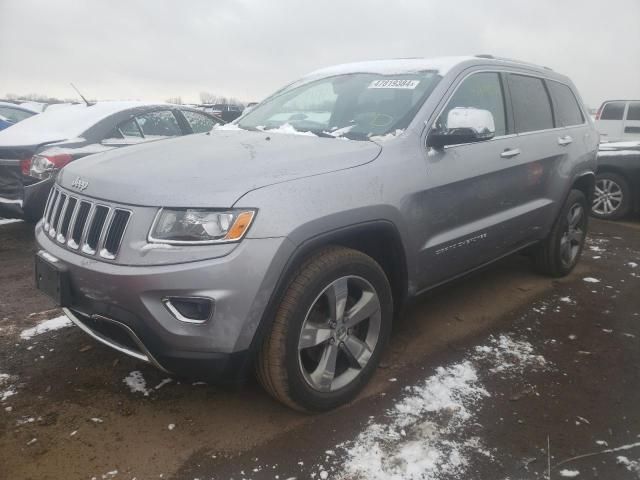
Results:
x,y
514,71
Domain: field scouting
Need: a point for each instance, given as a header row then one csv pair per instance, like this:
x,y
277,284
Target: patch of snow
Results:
x,y
566,299
422,435
286,128
163,383
136,383
591,280
630,465
509,356
632,264
569,473
96,420
388,67
381,453
602,443
618,153
5,221
388,136
6,389
46,326
171,426
625,144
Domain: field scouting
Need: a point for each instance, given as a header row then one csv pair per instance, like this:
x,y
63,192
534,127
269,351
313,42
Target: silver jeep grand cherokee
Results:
x,y
287,241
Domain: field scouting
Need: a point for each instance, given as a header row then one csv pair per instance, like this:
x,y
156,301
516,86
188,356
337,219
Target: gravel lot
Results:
x,y
480,378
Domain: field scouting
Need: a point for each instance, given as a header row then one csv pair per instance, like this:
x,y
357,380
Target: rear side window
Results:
x,y
613,111
199,123
126,130
482,91
159,124
531,105
634,111
14,114
567,109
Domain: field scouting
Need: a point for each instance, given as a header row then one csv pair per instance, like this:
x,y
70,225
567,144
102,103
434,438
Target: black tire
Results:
x,y
619,184
279,368
548,255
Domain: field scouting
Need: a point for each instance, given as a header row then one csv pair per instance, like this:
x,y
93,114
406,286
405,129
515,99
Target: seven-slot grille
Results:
x,y
85,225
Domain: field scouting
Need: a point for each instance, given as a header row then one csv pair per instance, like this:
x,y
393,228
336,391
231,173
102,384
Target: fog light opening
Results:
x,y
189,309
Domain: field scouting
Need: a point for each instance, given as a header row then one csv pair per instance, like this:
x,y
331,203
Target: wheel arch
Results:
x,y
380,239
586,183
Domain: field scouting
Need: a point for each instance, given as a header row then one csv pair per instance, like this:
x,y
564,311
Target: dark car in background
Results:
x,y
32,152
11,114
617,191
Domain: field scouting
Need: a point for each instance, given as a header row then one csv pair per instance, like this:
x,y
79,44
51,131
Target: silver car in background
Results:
x,y
287,241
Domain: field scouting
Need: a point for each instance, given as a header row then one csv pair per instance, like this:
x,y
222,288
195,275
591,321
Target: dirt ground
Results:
x,y
73,416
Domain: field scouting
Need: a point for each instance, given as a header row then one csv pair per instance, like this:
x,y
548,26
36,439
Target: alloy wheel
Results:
x,y
608,197
339,334
572,239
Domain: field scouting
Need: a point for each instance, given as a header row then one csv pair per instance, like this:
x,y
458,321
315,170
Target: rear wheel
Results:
x,y
561,250
612,196
329,331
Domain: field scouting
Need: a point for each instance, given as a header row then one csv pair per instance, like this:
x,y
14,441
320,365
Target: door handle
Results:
x,y
510,153
566,140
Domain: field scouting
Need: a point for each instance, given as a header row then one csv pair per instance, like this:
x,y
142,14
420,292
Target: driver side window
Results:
x,y
480,91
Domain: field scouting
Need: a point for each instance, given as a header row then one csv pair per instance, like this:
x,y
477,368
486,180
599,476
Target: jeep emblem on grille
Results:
x,y
80,184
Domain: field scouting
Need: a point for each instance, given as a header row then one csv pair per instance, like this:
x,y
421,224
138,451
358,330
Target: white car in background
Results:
x,y
619,120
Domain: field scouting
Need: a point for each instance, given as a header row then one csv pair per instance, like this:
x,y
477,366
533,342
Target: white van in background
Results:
x,y
618,120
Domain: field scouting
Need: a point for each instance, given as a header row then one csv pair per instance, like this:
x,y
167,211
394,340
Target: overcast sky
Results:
x,y
153,50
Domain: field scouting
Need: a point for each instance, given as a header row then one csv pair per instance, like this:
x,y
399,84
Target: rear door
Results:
x,y
610,121
632,122
545,153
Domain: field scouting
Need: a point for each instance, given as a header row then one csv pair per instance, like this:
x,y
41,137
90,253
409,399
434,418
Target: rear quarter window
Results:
x,y
634,111
612,111
567,109
531,104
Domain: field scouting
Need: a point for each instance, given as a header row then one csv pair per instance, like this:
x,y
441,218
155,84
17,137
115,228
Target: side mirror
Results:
x,y
463,125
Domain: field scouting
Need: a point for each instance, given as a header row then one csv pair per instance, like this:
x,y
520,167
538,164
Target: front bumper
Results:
x,y
130,299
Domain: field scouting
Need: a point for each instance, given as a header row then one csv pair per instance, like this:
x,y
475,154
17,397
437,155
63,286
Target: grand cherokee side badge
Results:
x,y
80,184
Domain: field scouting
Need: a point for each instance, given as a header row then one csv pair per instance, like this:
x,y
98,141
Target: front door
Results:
x,y
480,197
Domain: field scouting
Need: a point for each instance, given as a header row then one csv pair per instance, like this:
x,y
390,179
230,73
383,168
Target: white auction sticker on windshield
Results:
x,y
394,83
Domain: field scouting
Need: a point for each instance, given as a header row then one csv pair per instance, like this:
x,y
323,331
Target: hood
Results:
x,y
211,170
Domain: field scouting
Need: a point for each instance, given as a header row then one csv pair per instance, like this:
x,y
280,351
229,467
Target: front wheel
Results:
x,y
559,253
329,331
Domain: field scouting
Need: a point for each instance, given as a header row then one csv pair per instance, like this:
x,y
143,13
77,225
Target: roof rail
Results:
x,y
493,57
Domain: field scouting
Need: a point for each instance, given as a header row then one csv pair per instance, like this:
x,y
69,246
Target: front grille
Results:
x,y
82,224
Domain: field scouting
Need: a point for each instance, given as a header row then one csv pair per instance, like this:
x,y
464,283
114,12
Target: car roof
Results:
x,y
18,107
442,65
66,123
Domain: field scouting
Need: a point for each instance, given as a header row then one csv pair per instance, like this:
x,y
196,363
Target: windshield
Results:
x,y
356,106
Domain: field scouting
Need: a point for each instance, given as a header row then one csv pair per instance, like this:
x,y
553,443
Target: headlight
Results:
x,y
192,226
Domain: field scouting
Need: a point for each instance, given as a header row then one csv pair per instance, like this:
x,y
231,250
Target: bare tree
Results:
x,y
174,100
